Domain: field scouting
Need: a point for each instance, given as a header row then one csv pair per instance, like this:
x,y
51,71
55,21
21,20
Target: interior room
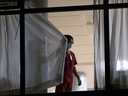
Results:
x,y
87,29
34,50
78,24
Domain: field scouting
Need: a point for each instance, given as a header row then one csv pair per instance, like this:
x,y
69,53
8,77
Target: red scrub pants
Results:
x,y
64,87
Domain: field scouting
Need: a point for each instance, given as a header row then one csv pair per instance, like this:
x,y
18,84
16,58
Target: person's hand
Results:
x,y
79,81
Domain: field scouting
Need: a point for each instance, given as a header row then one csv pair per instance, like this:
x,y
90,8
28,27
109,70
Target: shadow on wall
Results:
x,y
83,86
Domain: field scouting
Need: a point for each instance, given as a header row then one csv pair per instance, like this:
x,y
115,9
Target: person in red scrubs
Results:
x,y
69,69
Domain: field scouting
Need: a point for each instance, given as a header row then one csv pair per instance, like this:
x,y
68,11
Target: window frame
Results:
x,y
22,11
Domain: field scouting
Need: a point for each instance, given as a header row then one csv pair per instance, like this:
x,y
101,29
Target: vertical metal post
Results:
x,y
22,48
18,3
106,40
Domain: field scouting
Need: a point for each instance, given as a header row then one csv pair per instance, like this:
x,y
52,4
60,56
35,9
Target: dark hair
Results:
x,y
69,37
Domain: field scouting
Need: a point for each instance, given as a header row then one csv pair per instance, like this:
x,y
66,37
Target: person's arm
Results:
x,y
78,78
75,72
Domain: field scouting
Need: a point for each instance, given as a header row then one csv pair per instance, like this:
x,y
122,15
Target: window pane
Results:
x,y
99,50
118,22
61,3
9,55
44,54
58,3
78,24
7,3
117,1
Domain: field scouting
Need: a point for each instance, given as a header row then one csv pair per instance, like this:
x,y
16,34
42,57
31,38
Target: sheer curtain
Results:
x,y
45,49
9,55
118,40
99,59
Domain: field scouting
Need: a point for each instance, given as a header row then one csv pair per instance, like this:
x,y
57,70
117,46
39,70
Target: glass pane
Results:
x,y
60,3
78,24
44,46
117,1
9,55
118,21
98,2
99,50
7,3
42,32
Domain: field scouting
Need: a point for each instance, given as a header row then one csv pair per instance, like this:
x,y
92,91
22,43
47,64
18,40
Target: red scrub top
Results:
x,y
69,67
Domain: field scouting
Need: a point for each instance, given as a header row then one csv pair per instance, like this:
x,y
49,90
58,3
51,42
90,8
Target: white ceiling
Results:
x,y
73,22
79,24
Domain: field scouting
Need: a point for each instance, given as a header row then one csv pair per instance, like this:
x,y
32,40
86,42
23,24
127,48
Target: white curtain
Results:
x,y
45,49
118,41
9,55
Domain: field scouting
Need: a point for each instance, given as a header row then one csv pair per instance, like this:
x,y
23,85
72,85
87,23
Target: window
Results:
x,y
9,4
61,3
78,24
26,11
